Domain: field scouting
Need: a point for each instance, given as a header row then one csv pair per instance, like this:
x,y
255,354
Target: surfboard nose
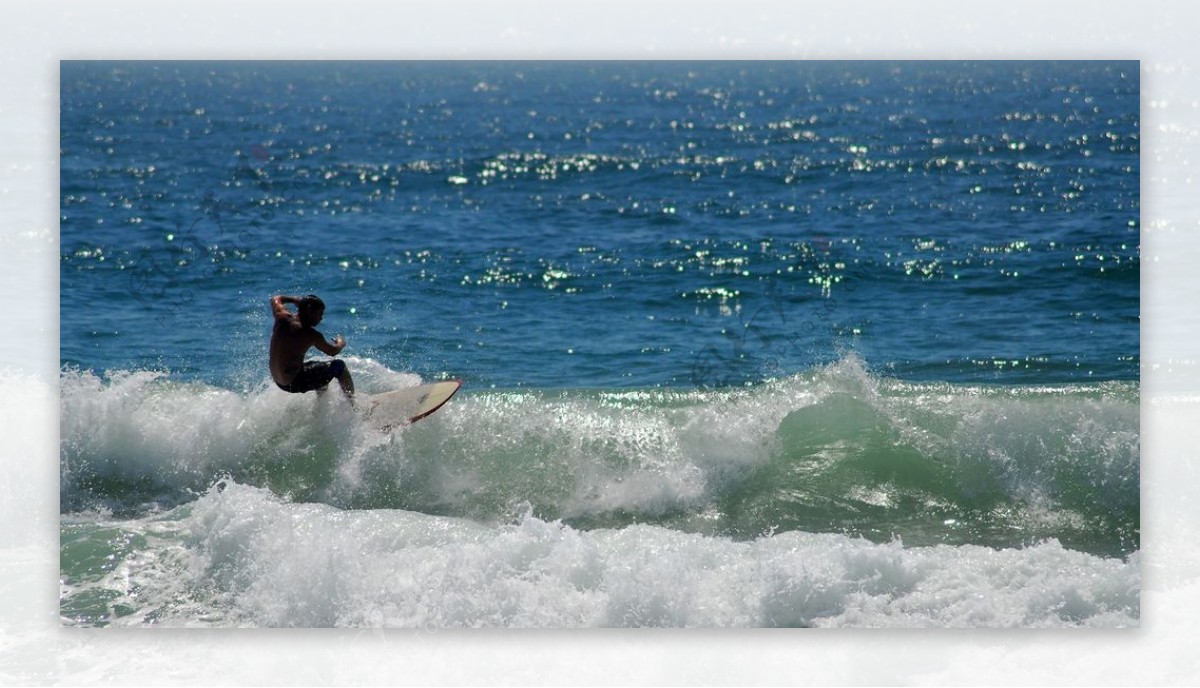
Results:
x,y
410,404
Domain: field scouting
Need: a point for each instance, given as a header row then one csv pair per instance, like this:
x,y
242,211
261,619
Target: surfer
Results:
x,y
292,337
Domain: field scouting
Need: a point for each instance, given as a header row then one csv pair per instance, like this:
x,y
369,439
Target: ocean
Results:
x,y
743,344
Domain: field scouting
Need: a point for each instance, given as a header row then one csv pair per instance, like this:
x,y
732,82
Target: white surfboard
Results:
x,y
408,405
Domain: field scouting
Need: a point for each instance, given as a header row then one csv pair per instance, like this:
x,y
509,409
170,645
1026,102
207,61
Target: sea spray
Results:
x,y
836,449
242,556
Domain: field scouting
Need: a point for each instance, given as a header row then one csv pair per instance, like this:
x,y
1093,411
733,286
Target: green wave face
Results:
x,y
835,450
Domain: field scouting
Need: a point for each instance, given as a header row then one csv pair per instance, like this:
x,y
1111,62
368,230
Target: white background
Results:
x,y
34,37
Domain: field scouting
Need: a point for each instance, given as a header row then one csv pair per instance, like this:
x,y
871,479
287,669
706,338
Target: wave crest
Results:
x,y
835,449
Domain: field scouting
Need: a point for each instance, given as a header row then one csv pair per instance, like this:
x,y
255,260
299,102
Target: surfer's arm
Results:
x,y
277,305
327,347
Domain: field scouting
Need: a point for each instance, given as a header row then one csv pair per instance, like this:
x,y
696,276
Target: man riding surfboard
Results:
x,y
292,336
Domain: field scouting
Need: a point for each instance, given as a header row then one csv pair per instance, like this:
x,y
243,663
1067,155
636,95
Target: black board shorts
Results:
x,y
315,375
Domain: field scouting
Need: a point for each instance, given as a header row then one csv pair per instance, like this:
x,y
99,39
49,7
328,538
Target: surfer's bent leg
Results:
x,y
342,372
317,375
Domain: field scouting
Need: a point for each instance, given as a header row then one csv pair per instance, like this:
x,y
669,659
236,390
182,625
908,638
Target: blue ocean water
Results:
x,y
884,313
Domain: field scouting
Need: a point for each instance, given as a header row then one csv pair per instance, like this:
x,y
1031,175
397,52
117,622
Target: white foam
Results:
x,y
143,428
243,556
651,452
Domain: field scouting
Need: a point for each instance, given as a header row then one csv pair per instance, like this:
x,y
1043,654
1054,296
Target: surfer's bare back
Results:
x,y
292,336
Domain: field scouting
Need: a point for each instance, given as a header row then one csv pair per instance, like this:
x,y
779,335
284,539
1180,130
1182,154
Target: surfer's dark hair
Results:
x,y
309,307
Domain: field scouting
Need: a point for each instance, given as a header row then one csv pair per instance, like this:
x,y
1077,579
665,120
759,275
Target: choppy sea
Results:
x,y
742,343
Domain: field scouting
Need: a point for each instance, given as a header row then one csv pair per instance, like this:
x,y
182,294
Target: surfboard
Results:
x,y
408,405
